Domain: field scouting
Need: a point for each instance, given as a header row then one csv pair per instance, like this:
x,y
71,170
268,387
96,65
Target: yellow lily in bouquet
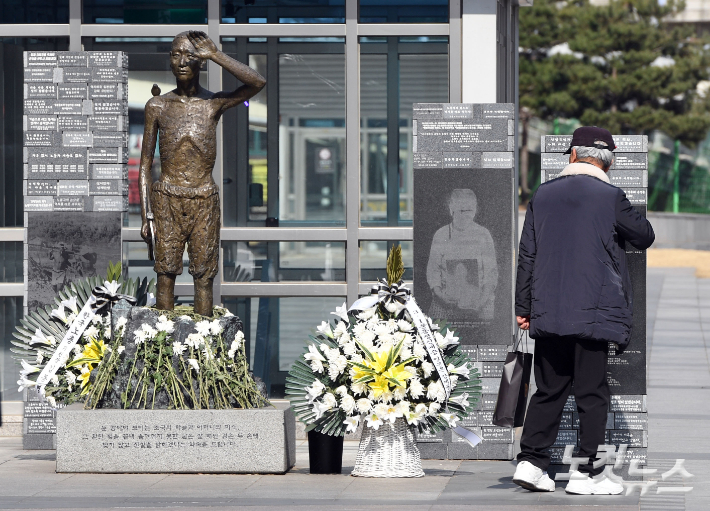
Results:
x,y
379,371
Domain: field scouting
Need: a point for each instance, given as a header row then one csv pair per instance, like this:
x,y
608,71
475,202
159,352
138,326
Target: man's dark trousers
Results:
x,y
559,362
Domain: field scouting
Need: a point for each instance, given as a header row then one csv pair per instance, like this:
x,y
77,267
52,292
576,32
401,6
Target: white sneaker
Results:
x,y
582,484
532,478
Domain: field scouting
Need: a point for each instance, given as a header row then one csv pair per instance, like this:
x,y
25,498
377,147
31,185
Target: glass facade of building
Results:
x,y
315,172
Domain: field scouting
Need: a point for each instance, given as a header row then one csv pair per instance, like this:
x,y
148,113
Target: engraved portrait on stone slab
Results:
x,y
462,271
183,206
463,250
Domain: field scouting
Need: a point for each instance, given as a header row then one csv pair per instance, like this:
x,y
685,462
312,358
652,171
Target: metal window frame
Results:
x,y
352,233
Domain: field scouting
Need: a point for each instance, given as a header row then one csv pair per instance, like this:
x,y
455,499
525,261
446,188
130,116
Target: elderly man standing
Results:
x,y
573,293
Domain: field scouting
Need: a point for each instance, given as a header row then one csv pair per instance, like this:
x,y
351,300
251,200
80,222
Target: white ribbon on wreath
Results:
x,y
397,297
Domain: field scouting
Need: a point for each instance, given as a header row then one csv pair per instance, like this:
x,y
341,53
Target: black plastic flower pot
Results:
x,y
325,453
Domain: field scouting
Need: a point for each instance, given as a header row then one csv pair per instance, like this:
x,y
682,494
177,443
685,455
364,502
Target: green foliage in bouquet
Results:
x,y
373,363
40,332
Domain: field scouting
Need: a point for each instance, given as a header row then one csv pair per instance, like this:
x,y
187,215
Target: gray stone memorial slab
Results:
x,y
636,196
41,139
45,188
491,369
39,203
39,442
39,75
72,91
77,139
72,123
108,187
110,139
61,163
64,204
72,188
108,155
631,143
497,435
109,171
176,441
485,418
455,160
40,90
630,161
39,58
107,203
554,161
108,74
490,385
435,438
40,123
102,107
488,401
72,59
107,59
462,135
107,90
108,123
498,160
492,353
36,409
555,143
38,106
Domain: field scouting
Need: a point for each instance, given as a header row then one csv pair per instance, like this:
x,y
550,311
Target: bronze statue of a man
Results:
x,y
185,201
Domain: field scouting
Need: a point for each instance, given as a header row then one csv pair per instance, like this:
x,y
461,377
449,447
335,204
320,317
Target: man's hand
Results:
x,y
523,322
204,47
145,231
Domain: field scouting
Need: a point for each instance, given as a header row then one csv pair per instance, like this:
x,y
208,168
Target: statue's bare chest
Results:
x,y
193,119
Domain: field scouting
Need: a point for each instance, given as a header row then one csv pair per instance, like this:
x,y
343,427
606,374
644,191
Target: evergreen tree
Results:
x,y
618,66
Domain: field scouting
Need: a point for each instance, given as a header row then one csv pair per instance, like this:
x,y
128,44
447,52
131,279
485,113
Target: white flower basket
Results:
x,y
389,451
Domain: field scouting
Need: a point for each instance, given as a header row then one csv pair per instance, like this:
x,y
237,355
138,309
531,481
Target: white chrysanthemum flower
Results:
x,y
96,320
139,337
178,348
435,391
215,327
330,400
40,357
71,377
336,367
350,349
405,353
348,404
165,325
121,322
342,312
51,401
121,349
407,339
405,326
195,340
234,348
194,364
388,412
373,421
427,368
434,408
373,323
403,407
344,339
203,327
340,329
324,328
91,333
352,423
416,389
314,391
359,388
77,350
150,332
330,354
239,336
400,393
367,313
342,391
419,351
185,317
357,357
363,405
359,328
382,329
461,370
55,380
366,338
317,366
392,325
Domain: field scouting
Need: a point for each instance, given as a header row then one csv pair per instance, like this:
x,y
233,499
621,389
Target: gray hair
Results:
x,y
603,157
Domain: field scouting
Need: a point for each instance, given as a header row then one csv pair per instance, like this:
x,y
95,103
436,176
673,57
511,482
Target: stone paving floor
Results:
x,y
679,428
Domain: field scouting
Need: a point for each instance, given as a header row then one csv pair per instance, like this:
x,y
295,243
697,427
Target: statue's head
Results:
x,y
184,63
462,206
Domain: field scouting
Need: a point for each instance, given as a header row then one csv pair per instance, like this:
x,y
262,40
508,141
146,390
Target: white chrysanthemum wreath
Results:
x,y
373,364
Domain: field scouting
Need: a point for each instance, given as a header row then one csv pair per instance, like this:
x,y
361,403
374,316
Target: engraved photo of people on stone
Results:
x,y
462,271
463,250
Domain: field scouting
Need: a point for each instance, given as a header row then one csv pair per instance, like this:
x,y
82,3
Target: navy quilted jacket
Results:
x,y
572,277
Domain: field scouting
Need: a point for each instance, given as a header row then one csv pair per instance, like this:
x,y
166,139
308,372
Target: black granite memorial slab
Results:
x,y
471,351
555,143
110,139
462,135
68,246
470,421
41,188
39,58
570,404
432,451
77,139
108,123
488,402
554,161
38,106
72,123
41,139
463,241
101,203
491,369
495,110
76,74
72,187
40,90
65,204
39,75
498,435
485,418
439,437
107,90
498,160
493,451
454,160
490,385
108,74
72,59
492,353
104,107
636,196
457,111
624,143
629,437
40,425
623,403
107,59
566,437
108,155
108,187
556,454
31,442
609,419
72,91
39,203
566,421
630,161
109,171
48,163
628,178
629,420
40,123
